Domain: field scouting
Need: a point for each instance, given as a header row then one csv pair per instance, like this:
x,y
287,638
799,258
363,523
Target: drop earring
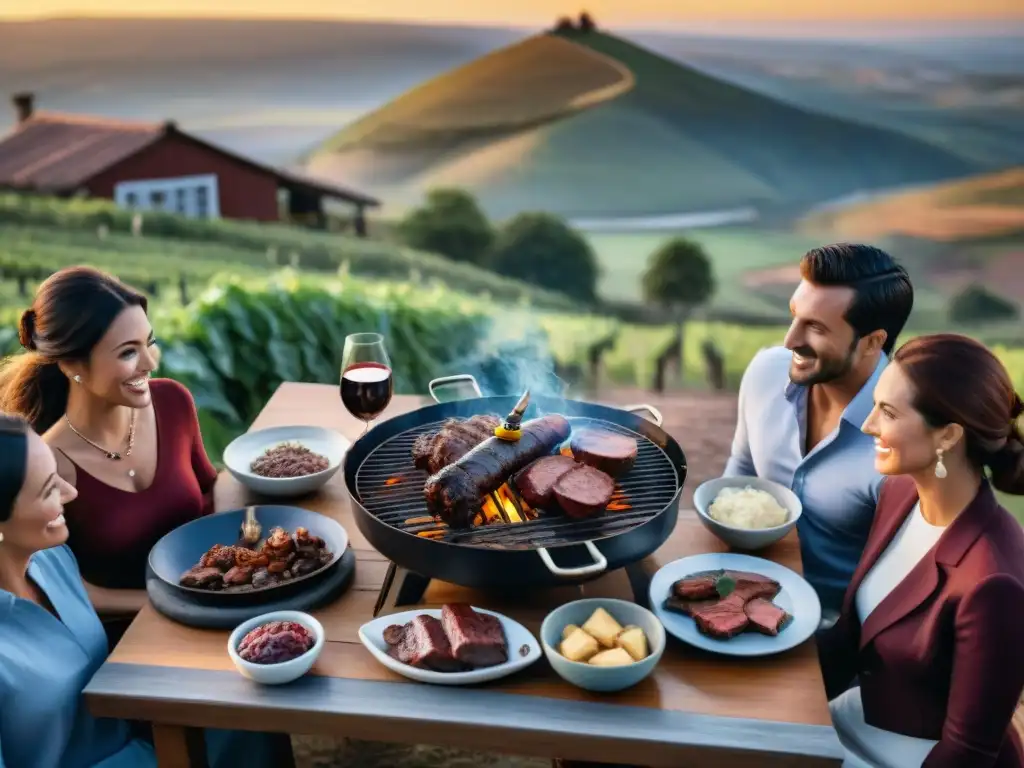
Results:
x,y
78,379
1,537
940,467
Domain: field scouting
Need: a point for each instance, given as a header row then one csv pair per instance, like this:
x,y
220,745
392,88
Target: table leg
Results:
x,y
179,747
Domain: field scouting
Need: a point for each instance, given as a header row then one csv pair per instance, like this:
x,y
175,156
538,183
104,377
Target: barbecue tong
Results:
x,y
512,429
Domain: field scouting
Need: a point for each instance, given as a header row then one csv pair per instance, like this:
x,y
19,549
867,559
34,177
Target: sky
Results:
x,y
538,11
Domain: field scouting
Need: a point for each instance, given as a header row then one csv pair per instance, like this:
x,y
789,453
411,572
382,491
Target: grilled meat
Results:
x,y
765,616
584,491
477,639
611,452
454,493
747,607
723,619
457,437
536,483
201,577
421,643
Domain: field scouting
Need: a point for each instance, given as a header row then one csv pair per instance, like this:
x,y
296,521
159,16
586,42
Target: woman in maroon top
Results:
x,y
129,444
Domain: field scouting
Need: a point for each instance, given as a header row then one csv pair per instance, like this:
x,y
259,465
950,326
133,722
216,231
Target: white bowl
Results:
x,y
749,539
244,449
286,671
588,676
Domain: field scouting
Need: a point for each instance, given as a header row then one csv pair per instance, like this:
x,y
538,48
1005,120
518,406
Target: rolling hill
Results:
x,y
985,206
589,124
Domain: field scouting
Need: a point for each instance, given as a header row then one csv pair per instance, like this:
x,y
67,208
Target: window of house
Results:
x,y
192,196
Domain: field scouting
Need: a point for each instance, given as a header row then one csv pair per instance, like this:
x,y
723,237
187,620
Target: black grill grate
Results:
x,y
391,488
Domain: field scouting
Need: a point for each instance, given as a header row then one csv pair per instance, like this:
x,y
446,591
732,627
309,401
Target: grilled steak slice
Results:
x,y
765,616
704,585
454,493
536,483
722,619
477,639
457,437
584,491
687,607
421,643
610,452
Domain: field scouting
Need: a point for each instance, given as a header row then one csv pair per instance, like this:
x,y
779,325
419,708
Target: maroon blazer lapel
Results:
x,y
898,496
924,578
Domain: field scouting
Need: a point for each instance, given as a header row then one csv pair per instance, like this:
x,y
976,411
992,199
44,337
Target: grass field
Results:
x,y
522,129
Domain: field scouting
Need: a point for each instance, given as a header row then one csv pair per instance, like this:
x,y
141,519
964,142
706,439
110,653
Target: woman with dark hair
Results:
x,y
51,640
932,624
130,444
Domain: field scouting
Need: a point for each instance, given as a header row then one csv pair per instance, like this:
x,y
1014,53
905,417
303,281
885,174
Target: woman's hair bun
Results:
x,y
27,329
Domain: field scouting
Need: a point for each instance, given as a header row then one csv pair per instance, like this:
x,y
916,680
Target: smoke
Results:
x,y
514,355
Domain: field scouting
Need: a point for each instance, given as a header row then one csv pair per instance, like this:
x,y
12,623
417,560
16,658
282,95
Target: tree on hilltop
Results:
x,y
565,24
679,278
450,223
586,23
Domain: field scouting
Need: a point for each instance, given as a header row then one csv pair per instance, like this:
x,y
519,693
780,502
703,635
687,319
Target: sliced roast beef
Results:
x,y
704,585
477,639
536,483
765,616
687,607
584,491
422,643
611,452
697,586
722,619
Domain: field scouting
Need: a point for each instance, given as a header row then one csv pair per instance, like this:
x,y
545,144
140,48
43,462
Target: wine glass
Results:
x,y
366,380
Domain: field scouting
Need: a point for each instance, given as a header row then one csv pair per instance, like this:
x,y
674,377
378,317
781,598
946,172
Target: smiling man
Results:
x,y
802,405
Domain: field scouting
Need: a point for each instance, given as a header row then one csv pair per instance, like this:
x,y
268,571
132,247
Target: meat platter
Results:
x,y
457,644
583,489
735,604
203,560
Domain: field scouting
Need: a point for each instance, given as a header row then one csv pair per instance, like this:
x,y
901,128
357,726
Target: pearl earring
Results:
x,y
78,379
940,467
1,537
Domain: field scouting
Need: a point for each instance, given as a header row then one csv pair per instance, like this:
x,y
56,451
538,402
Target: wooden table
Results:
x,y
695,709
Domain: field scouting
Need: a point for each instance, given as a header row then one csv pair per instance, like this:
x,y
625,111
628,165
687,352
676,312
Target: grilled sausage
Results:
x,y
454,494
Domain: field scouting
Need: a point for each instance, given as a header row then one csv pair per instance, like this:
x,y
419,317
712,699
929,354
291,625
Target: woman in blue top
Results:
x,y
51,640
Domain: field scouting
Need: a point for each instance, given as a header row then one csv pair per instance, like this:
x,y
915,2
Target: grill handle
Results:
x,y
639,408
599,564
447,381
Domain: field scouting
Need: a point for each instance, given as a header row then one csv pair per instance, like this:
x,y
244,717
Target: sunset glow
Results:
x,y
534,11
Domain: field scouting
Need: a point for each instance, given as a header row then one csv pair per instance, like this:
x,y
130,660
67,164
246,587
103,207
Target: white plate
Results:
x,y
518,636
797,598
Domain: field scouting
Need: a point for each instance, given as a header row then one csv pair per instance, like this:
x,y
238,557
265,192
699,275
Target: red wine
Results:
x,y
366,389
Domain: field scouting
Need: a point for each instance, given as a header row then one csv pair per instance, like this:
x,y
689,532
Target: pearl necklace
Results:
x,y
112,455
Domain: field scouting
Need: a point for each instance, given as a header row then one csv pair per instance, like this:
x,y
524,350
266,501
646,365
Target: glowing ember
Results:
x,y
392,481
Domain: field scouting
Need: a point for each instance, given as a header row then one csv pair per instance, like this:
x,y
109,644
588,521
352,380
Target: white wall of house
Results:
x,y
196,197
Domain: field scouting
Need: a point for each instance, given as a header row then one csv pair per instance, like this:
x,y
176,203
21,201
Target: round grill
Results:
x,y
390,487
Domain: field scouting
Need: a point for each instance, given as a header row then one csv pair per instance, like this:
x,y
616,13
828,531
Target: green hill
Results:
x,y
589,124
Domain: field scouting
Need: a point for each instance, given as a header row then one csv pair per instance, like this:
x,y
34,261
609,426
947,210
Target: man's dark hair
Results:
x,y
883,296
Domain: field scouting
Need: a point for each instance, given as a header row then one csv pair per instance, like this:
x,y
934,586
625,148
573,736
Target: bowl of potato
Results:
x,y
601,644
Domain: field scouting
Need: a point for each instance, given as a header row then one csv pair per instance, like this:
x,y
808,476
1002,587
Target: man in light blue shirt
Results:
x,y
801,406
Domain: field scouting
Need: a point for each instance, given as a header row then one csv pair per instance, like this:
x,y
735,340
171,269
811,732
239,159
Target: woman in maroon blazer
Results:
x,y
932,625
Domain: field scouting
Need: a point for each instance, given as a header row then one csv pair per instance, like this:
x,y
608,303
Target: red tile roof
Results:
x,y
58,153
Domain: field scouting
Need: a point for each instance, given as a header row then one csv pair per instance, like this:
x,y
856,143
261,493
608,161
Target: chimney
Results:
x,y
24,105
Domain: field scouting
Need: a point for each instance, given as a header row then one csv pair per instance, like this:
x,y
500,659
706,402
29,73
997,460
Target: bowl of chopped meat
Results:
x,y
285,461
277,647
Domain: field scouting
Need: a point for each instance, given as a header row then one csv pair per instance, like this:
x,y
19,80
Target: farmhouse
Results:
x,y
157,166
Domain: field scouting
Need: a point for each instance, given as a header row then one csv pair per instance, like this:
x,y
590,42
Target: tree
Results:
x,y
975,304
564,25
449,223
542,249
586,23
679,277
